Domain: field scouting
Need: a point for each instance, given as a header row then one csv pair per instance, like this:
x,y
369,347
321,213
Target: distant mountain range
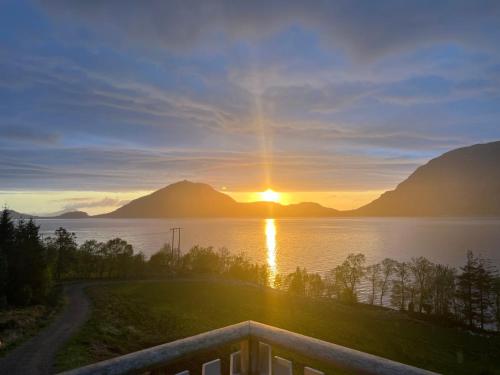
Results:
x,y
18,215
66,215
190,199
462,182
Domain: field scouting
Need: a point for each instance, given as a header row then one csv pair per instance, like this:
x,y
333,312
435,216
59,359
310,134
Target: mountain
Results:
x,y
18,215
189,199
462,182
72,215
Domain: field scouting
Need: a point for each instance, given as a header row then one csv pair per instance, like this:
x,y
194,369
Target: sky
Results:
x,y
328,101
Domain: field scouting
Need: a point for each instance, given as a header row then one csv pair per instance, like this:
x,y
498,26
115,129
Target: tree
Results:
x,y
465,289
30,277
388,266
89,258
138,265
296,282
443,289
422,269
64,248
373,275
331,286
348,276
400,292
278,281
202,260
496,299
6,251
119,255
315,285
162,262
483,288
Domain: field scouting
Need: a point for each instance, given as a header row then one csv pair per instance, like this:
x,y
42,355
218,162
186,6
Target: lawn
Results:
x,y
131,316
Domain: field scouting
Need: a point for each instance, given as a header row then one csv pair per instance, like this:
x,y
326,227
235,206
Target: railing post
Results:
x,y
245,357
249,357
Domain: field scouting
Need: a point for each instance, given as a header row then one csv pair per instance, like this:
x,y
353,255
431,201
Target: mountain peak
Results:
x,y
194,199
461,182
180,199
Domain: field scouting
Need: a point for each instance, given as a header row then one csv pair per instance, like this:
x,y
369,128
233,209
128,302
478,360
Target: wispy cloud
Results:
x,y
82,203
367,29
122,95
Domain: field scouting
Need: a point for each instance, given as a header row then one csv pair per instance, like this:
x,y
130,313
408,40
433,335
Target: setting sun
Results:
x,y
270,196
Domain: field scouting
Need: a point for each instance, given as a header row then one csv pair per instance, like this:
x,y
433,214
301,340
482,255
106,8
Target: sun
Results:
x,y
269,196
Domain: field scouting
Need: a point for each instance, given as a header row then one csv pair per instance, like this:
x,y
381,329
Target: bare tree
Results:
x,y
388,266
422,270
400,292
443,289
373,276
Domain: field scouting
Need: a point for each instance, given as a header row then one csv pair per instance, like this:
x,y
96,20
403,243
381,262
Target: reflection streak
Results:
x,y
271,249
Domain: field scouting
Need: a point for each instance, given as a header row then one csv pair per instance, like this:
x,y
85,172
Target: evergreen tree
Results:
x,y
496,300
483,292
6,244
465,289
30,279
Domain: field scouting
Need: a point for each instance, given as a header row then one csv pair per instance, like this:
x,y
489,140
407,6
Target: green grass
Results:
x,y
133,316
19,324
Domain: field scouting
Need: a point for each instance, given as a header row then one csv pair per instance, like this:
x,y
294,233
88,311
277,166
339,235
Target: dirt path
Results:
x,y
36,356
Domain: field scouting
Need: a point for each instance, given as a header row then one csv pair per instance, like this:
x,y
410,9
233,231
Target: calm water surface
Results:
x,y
317,244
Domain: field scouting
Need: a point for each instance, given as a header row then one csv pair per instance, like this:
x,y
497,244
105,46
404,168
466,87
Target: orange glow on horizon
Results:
x,y
341,200
270,196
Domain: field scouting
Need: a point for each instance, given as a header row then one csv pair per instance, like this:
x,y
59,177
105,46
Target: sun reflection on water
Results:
x,y
271,249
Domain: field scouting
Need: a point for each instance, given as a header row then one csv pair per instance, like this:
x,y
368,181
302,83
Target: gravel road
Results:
x,y
36,356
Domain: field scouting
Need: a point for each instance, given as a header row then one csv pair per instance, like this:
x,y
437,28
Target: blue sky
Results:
x,y
119,97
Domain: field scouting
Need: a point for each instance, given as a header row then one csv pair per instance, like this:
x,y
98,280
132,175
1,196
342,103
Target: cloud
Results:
x,y
21,133
79,203
129,170
366,29
126,95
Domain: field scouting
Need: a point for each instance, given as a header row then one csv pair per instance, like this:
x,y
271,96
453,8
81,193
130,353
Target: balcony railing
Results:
x,y
254,356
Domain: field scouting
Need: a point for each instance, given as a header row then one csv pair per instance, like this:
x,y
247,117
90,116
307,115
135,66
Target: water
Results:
x,y
317,244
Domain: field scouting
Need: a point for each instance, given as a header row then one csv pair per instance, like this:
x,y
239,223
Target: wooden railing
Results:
x,y
254,356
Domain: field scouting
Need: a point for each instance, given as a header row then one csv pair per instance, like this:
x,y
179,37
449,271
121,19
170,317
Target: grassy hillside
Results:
x,y
132,316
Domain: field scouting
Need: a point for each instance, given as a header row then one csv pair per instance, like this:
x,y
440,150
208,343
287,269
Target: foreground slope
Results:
x,y
136,315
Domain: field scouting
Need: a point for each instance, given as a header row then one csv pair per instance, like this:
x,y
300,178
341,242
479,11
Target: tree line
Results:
x,y
30,267
469,296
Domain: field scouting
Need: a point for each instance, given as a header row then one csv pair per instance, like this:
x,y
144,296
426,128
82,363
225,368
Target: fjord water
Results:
x,y
317,244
